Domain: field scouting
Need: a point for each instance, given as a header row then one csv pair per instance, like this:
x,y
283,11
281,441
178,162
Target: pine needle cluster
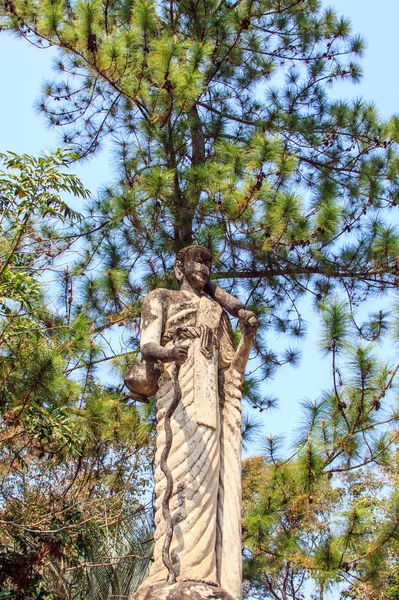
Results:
x,y
72,449
223,133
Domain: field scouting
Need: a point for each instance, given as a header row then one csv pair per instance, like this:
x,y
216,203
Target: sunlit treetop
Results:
x,y
225,135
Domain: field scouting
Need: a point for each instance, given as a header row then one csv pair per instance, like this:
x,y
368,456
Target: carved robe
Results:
x,y
205,457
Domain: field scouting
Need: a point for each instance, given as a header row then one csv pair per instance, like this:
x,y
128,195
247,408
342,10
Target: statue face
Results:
x,y
197,267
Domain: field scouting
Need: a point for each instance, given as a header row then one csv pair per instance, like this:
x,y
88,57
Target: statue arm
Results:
x,y
248,324
226,300
152,325
151,328
233,305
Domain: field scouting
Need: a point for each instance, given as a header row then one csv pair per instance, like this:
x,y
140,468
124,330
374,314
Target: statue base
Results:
x,y
182,590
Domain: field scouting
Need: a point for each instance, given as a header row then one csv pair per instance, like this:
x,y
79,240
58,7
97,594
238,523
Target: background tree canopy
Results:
x,y
225,136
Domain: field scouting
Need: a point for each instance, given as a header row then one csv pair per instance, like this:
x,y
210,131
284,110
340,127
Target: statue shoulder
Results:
x,y
159,297
154,307
158,294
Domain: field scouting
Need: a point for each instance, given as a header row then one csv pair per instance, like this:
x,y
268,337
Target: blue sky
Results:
x,y
23,69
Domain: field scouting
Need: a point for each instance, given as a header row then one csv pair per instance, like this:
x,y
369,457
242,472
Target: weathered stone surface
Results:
x,y
182,590
198,458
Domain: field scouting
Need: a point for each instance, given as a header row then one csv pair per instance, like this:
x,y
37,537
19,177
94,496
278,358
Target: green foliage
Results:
x,y
335,317
225,135
121,559
330,512
69,445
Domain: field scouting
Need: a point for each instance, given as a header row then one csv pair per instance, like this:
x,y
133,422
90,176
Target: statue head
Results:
x,y
193,267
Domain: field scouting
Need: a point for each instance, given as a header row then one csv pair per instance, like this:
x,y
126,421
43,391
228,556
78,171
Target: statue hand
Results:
x,y
178,354
248,321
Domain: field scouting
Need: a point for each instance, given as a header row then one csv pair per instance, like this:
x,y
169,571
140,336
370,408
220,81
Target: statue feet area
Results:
x,y
182,590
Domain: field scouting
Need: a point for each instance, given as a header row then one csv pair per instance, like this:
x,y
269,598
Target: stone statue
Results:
x,y
192,366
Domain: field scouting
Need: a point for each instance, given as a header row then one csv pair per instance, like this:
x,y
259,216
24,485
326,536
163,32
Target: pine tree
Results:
x,y
225,135
71,447
330,513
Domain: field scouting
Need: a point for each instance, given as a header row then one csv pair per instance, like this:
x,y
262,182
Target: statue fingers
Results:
x,y
248,317
253,321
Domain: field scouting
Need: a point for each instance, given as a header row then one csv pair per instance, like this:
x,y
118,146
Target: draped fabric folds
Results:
x,y
205,457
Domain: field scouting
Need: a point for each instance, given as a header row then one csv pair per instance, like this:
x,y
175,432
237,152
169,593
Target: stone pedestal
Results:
x,y
182,590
